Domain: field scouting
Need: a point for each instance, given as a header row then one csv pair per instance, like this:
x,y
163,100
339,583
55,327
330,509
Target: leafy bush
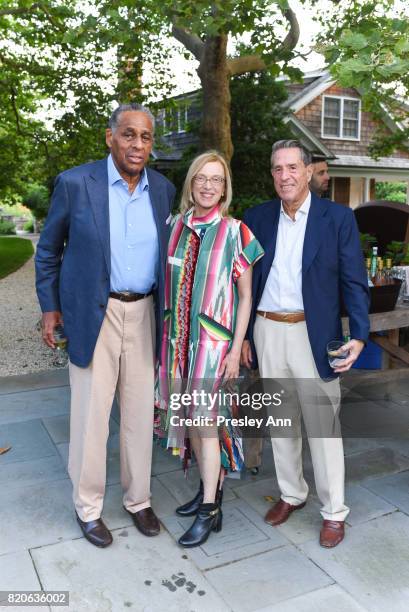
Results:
x,y
37,200
7,228
28,226
394,192
398,252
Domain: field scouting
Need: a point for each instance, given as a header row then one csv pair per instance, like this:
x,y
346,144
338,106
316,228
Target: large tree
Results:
x,y
206,29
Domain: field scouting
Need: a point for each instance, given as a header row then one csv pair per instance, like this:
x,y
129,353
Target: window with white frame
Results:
x,y
341,118
175,119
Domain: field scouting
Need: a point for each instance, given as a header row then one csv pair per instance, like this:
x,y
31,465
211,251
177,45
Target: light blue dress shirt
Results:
x,y
133,235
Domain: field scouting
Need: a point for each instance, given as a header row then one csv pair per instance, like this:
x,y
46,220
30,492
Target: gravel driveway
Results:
x,y
21,348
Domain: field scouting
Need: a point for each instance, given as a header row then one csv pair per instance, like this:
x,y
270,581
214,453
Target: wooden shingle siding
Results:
x,y
311,116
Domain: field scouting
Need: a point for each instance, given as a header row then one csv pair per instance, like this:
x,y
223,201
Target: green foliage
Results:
x,y
256,124
398,252
367,45
394,192
14,252
7,228
37,199
28,226
367,242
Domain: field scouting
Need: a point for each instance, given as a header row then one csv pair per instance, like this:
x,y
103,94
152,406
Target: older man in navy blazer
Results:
x,y
312,258
100,271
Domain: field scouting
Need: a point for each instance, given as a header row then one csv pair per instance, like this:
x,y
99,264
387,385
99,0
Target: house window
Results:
x,y
341,118
175,120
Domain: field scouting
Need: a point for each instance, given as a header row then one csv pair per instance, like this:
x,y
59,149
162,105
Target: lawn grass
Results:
x,y
14,252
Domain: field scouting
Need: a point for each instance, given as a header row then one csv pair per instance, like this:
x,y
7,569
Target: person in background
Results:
x,y
320,178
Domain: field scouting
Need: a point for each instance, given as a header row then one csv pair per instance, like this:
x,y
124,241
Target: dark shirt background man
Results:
x,y
320,178
100,268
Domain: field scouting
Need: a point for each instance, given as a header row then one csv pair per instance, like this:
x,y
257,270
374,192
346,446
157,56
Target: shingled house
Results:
x,y
329,121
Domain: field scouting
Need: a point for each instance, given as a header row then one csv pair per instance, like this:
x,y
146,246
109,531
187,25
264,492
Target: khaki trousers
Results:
x,y
123,362
284,351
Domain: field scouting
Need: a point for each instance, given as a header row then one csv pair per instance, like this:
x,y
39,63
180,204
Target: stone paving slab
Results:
x,y
302,525
28,405
331,598
29,440
244,534
36,472
163,461
365,506
394,489
36,380
372,563
375,419
59,427
17,573
41,515
358,445
265,579
374,463
135,573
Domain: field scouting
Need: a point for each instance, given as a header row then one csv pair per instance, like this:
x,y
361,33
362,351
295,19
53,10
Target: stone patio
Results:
x,y
248,567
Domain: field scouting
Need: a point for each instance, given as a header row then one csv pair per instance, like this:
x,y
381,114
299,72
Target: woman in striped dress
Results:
x,y
207,308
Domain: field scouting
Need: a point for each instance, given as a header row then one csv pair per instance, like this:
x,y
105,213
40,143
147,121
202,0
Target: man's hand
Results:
x,y
354,347
246,356
49,322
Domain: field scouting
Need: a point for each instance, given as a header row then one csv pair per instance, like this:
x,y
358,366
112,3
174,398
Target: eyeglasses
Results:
x,y
201,179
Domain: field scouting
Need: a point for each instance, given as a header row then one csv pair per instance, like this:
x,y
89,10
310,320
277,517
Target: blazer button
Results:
x,y
102,305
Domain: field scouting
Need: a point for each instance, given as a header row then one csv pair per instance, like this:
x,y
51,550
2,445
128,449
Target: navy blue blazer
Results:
x,y
73,259
333,268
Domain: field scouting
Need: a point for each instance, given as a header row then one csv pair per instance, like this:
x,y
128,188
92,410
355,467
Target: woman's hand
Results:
x,y
230,367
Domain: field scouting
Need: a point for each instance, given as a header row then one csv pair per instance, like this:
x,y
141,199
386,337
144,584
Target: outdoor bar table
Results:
x,y
391,322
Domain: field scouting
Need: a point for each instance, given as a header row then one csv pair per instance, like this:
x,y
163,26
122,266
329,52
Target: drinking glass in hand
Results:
x,y
61,356
336,356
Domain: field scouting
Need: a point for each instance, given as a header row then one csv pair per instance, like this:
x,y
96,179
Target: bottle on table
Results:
x,y
380,278
388,272
374,263
368,272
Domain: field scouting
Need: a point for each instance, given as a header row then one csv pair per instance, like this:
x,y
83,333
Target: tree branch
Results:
x,y
246,63
291,40
190,41
19,11
255,63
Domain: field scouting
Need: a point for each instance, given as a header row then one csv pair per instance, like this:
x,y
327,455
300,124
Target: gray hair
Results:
x,y
133,106
292,144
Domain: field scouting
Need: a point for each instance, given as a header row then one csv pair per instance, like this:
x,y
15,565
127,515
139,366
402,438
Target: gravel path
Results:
x,y
21,348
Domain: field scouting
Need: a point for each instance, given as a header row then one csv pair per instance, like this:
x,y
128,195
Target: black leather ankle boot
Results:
x,y
209,518
192,506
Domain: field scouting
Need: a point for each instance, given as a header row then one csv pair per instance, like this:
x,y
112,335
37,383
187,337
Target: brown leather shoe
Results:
x,y
280,512
332,533
146,521
95,532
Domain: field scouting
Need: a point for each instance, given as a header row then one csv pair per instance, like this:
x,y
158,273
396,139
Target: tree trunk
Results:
x,y
215,79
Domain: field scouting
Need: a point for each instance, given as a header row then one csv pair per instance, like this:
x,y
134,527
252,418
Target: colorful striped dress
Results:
x,y
206,256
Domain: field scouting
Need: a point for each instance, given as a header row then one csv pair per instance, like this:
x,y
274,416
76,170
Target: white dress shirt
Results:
x,y
283,290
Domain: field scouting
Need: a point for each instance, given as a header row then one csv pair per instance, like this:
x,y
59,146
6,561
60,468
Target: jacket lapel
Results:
x,y
97,189
314,232
158,200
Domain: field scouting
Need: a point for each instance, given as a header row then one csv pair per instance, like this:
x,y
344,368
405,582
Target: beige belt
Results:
x,y
282,317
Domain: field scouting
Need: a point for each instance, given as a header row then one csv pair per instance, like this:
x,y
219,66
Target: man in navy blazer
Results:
x,y
100,268
312,261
